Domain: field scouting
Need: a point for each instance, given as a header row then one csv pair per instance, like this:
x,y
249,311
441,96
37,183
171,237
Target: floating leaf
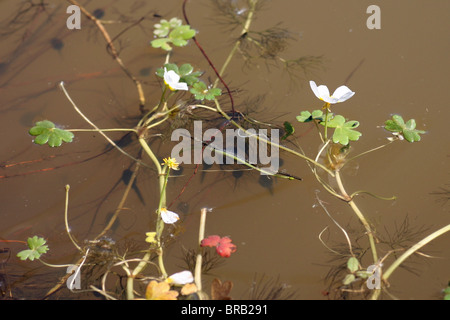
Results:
x,y
221,291
171,32
163,28
306,116
289,129
201,92
349,278
46,132
364,274
210,241
344,131
160,291
224,247
447,292
407,130
36,247
353,264
189,288
182,33
162,43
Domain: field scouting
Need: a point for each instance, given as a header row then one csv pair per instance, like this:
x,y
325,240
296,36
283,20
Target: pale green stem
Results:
x,y
147,256
245,29
413,249
326,106
102,130
408,253
55,265
61,84
360,217
66,209
366,152
273,144
201,236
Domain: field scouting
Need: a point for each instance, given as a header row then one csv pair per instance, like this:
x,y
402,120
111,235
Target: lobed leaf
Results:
x,y
46,132
202,92
407,130
36,247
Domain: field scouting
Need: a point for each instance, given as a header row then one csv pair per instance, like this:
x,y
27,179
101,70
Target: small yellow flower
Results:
x,y
151,237
171,163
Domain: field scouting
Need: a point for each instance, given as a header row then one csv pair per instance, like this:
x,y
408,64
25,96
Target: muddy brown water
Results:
x,y
401,68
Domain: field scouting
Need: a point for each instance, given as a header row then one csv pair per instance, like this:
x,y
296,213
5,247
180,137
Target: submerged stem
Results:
x,y
360,217
270,143
66,209
245,29
198,263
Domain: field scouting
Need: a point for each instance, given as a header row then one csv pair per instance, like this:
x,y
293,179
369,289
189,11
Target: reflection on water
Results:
x,y
274,222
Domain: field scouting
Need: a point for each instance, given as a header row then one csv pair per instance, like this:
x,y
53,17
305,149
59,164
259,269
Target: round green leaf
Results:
x,y
349,278
353,264
46,132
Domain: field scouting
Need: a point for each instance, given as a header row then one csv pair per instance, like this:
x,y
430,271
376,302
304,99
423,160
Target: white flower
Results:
x,y
169,217
340,94
172,79
181,278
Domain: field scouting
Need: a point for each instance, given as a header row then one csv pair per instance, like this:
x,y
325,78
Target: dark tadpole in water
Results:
x,y
266,182
126,176
3,67
205,167
183,207
145,72
99,13
178,172
57,44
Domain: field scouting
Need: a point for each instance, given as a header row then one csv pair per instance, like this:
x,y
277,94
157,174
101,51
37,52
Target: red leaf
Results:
x,y
225,248
210,241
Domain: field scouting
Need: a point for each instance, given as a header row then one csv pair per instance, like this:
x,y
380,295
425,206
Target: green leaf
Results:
x,y
201,92
163,28
162,43
344,131
447,291
407,130
353,264
289,129
46,132
306,116
185,69
364,274
182,33
171,32
349,278
36,247
179,42
187,75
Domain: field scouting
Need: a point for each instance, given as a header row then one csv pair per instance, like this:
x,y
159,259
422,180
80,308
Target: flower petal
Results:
x,y
324,93
320,92
169,217
343,93
181,278
171,78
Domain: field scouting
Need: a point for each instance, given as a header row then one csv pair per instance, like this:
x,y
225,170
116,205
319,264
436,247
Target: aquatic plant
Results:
x,y
183,81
